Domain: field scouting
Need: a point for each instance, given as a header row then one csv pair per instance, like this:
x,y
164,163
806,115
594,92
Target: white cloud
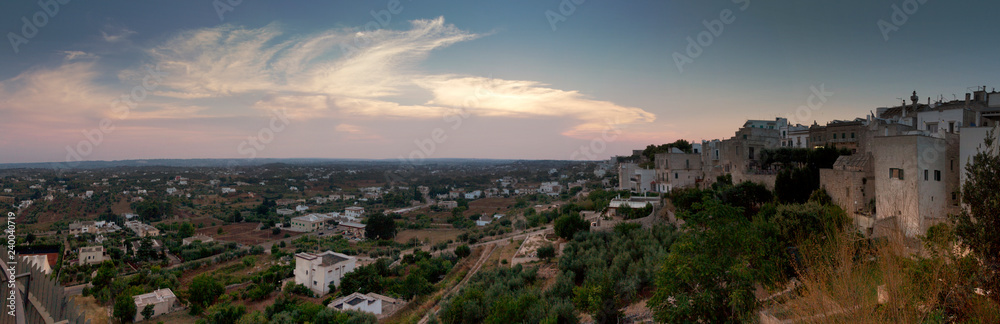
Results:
x,y
328,74
71,55
513,98
114,34
54,95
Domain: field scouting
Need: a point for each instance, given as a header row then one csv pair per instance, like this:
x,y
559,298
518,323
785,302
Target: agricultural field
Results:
x,y
433,235
243,233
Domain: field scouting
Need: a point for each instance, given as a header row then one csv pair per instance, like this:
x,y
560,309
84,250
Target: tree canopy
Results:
x,y
976,226
381,227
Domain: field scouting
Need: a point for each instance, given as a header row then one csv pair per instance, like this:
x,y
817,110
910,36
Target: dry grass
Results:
x,y
505,252
96,313
435,235
845,280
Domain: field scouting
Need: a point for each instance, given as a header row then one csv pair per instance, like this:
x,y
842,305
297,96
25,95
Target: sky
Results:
x,y
414,79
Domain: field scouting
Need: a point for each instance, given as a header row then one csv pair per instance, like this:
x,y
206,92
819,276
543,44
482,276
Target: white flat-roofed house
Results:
x,y
354,211
162,301
358,302
380,305
550,188
141,229
448,204
92,255
309,223
484,220
76,228
318,271
285,211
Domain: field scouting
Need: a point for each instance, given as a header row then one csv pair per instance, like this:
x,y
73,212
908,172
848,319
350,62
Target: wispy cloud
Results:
x,y
72,55
53,95
313,76
513,98
114,33
223,80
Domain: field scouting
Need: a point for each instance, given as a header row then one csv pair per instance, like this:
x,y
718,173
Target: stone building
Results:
x,y
851,185
92,255
916,182
677,170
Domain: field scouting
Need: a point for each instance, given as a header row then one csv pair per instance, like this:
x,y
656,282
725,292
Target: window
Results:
x,y
951,127
843,135
677,175
937,175
834,135
852,135
896,173
926,175
952,165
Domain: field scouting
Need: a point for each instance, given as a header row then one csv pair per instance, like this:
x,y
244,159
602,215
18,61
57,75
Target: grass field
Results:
x,y
243,233
435,235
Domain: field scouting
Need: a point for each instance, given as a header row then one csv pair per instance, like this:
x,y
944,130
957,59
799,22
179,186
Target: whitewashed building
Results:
x,y
162,301
92,255
318,271
354,211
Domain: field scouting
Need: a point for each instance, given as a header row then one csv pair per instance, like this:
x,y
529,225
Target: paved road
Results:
x,y
76,290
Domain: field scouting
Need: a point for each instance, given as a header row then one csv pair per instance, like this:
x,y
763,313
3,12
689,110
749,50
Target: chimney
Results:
x,y
968,96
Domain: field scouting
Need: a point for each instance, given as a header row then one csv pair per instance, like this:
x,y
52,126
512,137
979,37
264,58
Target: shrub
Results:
x,y
463,251
548,251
